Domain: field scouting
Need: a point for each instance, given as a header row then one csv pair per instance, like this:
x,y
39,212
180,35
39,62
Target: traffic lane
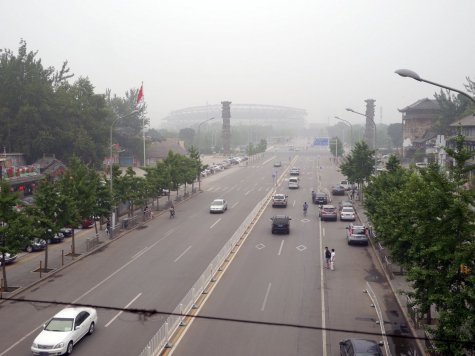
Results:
x,y
272,278
349,308
135,244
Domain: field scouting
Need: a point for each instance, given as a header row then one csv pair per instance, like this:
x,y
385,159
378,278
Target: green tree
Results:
x,y
359,164
15,226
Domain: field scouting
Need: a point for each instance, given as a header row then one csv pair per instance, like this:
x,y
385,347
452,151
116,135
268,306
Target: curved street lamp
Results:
x,y
199,128
411,74
351,128
372,120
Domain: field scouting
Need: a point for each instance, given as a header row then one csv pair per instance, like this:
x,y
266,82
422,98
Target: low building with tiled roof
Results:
x,y
158,151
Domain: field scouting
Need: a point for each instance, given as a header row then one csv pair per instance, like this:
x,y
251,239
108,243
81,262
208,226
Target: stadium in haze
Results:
x,y
241,114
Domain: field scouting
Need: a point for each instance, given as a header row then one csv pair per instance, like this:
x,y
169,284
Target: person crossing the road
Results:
x,y
305,208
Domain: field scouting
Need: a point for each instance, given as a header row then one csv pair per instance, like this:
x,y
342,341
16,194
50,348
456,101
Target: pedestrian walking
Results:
x,y
332,260
108,227
352,193
328,256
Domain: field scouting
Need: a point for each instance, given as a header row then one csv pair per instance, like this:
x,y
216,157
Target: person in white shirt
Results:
x,y
332,260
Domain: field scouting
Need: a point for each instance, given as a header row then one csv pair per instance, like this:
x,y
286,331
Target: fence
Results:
x,y
161,339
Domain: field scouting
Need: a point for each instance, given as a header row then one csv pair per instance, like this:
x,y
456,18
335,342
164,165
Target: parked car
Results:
x,y
35,244
328,212
320,198
9,258
66,231
338,190
86,223
347,213
281,224
357,234
295,171
56,238
218,206
279,200
64,330
355,347
277,164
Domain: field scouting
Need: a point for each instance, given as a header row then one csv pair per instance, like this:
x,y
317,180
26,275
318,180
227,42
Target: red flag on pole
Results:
x,y
140,95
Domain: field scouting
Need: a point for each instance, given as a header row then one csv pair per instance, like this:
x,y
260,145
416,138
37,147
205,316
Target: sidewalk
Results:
x,y
395,277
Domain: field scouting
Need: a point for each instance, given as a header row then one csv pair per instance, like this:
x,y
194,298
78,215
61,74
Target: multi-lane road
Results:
x,y
278,279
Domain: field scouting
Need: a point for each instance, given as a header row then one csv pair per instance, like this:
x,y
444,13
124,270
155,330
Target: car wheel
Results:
x,y
29,249
92,327
69,350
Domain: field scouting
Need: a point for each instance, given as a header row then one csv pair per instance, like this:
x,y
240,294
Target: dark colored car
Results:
x,y
56,238
354,347
35,244
281,224
320,198
9,258
277,164
328,212
66,231
338,190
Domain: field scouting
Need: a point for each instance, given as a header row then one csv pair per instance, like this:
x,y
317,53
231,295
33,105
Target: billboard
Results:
x,y
321,141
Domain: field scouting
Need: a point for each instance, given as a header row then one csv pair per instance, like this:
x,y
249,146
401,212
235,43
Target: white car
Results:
x,y
218,206
64,330
347,213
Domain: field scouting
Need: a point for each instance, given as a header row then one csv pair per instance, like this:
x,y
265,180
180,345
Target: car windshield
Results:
x,y
60,324
218,202
279,196
358,231
329,210
347,209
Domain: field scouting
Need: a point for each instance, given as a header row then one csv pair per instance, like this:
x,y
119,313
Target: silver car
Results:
x,y
218,206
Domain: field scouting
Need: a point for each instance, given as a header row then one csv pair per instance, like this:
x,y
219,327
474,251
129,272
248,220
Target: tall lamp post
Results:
x,y
111,159
372,121
199,129
351,128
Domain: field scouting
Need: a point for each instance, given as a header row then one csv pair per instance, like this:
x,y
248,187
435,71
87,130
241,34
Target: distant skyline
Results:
x,y
321,56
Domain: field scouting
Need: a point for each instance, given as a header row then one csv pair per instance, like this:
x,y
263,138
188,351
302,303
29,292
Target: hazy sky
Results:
x,y
322,56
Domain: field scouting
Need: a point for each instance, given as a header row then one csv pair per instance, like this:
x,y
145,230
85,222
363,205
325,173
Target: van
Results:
x,y
293,183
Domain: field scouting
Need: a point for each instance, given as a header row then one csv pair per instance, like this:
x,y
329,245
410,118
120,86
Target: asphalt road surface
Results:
x,y
276,279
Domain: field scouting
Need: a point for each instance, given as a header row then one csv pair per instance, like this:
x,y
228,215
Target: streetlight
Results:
x,y
374,124
411,74
111,160
199,127
351,128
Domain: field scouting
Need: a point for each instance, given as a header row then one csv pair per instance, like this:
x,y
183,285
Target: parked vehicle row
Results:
x,y
225,164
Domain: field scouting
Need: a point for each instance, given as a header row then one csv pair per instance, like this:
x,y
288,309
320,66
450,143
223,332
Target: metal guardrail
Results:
x,y
161,339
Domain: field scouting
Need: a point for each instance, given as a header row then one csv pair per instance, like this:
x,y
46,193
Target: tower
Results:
x,y
370,128
226,133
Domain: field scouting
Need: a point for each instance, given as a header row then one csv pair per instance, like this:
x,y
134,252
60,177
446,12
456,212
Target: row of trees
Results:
x,y
426,219
80,192
41,112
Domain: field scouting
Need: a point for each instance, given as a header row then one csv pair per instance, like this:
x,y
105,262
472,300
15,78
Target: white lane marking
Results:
x,y
119,313
323,231
247,193
293,204
217,221
280,249
322,291
176,259
265,297
234,205
140,253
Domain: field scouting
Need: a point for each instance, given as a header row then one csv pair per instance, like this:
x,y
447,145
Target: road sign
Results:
x,y
321,141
